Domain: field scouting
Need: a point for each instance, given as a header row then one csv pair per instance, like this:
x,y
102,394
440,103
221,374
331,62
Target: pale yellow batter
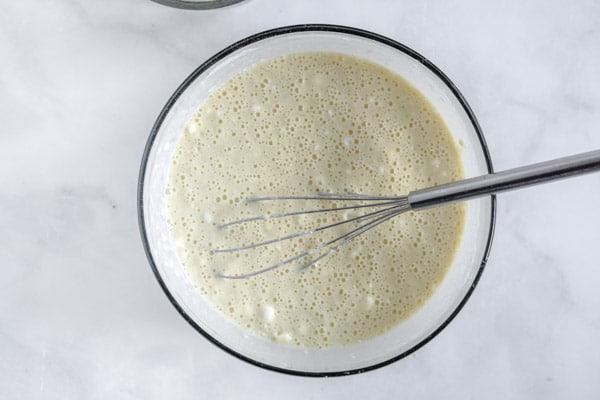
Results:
x,y
296,125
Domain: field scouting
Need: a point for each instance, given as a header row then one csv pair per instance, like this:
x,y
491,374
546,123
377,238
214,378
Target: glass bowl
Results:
x,y
410,334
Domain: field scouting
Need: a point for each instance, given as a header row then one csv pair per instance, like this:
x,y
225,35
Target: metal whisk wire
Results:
x,y
392,206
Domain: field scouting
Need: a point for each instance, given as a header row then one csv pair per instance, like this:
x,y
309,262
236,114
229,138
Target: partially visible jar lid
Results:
x,y
197,4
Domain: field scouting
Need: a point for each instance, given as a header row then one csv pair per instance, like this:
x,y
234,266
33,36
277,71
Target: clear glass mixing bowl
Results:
x,y
409,335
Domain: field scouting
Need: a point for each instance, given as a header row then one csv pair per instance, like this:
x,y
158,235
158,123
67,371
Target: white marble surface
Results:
x,y
81,315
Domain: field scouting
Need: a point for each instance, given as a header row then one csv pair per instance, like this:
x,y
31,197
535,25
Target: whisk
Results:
x,y
379,209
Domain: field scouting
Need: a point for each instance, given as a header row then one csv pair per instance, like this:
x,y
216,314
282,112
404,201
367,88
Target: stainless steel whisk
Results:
x,y
392,206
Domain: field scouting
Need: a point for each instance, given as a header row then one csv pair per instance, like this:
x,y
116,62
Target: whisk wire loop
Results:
x,y
392,206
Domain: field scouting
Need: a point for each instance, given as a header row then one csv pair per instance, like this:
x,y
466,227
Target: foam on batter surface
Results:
x,y
297,125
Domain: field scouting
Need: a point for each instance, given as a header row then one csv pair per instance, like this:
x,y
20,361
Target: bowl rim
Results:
x,y
270,34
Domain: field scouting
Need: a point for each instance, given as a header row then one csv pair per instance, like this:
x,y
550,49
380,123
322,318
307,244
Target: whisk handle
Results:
x,y
511,179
